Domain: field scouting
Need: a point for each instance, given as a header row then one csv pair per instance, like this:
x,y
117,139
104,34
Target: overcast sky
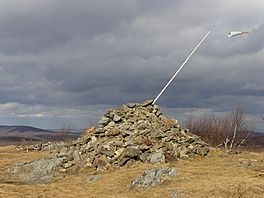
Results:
x,y
64,62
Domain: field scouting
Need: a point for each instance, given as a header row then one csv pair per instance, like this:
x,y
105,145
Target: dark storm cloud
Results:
x,y
66,57
50,24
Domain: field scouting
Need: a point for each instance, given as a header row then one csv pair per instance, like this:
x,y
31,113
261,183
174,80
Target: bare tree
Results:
x,y
240,128
26,141
63,134
230,131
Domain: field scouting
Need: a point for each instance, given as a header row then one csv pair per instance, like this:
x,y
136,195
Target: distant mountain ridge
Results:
x,y
20,128
15,134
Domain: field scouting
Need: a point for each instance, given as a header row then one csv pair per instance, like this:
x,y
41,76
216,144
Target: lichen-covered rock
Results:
x,y
157,157
152,177
38,171
104,121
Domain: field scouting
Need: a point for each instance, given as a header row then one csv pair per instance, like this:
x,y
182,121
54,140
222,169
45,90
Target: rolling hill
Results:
x,y
16,134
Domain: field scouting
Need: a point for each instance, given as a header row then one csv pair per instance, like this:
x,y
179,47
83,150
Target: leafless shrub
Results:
x,y
230,131
63,134
25,143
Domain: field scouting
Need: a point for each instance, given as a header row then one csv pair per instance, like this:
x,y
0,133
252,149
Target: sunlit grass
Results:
x,y
218,175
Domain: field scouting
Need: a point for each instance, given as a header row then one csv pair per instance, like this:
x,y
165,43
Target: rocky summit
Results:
x,y
130,134
138,132
134,133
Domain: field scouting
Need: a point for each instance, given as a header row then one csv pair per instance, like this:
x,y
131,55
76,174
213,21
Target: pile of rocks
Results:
x,y
131,134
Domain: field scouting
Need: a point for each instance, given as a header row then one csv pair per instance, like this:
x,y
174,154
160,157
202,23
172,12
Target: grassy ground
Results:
x,y
220,175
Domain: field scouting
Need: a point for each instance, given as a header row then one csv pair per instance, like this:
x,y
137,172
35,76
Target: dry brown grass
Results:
x,y
220,175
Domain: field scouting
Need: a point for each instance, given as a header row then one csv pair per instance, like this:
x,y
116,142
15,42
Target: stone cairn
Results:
x,y
130,134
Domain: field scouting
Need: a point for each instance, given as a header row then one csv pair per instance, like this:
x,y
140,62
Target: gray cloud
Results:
x,y
51,24
60,56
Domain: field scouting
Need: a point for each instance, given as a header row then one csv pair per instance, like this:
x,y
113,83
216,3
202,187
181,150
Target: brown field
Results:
x,y
220,175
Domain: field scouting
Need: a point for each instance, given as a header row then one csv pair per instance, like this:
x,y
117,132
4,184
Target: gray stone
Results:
x,y
68,164
144,132
157,134
152,177
125,126
157,158
248,164
122,160
144,157
202,151
76,156
143,147
38,146
142,125
104,121
183,155
38,171
131,105
174,194
63,152
116,118
158,113
131,152
89,146
112,131
93,178
186,130
70,157
110,152
179,194
175,151
52,145
118,143
147,102
111,124
99,130
69,152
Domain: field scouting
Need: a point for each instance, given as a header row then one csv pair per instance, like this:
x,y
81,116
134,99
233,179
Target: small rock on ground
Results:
x,y
152,177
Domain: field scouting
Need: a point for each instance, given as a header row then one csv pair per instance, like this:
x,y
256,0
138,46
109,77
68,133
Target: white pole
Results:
x,y
180,67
